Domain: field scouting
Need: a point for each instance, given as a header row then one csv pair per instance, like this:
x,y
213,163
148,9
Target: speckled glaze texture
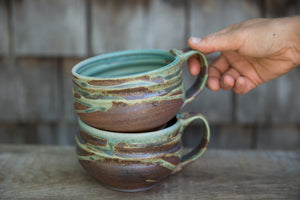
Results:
x,y
133,91
134,162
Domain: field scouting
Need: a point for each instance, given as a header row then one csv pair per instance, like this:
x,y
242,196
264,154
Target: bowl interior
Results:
x,y
127,63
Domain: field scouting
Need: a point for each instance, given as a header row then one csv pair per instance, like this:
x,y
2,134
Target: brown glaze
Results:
x,y
136,172
79,106
133,91
135,162
120,177
92,140
139,117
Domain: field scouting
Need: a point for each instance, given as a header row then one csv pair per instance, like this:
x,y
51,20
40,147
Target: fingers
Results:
x,y
225,41
213,81
222,75
194,65
231,70
215,72
243,85
240,86
228,39
228,78
232,79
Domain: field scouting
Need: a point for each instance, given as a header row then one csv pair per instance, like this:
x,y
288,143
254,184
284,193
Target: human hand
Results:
x,y
252,52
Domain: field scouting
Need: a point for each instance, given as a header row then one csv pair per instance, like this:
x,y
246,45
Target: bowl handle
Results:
x,y
200,81
186,119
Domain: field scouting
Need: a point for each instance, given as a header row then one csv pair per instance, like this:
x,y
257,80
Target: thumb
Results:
x,y
228,41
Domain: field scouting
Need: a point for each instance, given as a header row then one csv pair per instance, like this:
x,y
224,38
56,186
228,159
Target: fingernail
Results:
x,y
195,40
239,82
223,82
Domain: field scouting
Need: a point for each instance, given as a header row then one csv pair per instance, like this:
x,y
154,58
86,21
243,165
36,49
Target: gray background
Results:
x,y
40,41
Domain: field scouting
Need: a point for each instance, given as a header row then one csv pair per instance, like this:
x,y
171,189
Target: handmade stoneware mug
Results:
x,y
133,91
136,162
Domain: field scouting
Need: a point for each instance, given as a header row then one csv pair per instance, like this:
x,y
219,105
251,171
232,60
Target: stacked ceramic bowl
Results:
x,y
128,107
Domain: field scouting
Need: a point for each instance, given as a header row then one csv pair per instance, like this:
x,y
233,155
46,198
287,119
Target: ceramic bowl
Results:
x,y
135,162
133,91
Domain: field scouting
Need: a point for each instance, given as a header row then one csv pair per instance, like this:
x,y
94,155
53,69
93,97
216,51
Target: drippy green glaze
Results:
x,y
100,155
170,135
156,72
99,100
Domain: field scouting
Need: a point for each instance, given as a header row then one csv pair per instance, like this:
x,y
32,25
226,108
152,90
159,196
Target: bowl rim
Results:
x,y
156,136
123,53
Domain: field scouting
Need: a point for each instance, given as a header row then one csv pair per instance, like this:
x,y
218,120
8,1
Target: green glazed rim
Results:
x,y
157,136
93,60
